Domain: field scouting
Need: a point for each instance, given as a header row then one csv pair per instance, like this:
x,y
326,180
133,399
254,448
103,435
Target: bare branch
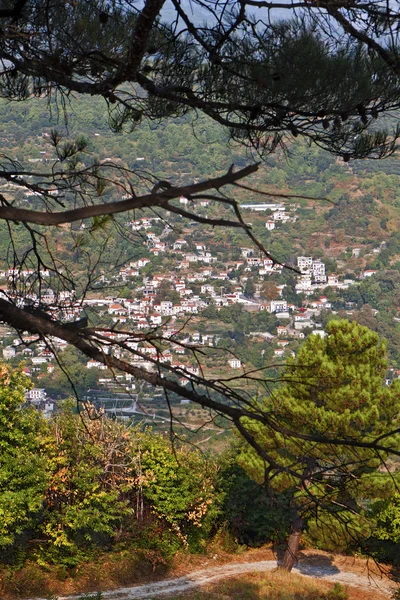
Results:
x,y
161,199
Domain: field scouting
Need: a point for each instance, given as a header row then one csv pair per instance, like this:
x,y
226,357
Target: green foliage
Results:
x,y
74,365
249,288
385,539
88,495
166,292
23,476
353,215
180,489
333,389
80,482
387,515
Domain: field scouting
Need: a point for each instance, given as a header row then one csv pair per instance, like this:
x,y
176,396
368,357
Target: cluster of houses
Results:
x,y
313,275
197,283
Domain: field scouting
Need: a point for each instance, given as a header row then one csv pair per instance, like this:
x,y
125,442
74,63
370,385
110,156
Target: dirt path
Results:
x,y
202,577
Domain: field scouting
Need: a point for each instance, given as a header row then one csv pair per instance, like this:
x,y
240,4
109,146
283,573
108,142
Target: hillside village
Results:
x,y
167,299
199,288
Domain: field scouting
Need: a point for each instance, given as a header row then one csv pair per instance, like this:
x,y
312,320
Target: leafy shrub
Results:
x,y
384,544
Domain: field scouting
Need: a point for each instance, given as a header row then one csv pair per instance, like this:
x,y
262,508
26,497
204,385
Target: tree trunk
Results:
x,y
292,545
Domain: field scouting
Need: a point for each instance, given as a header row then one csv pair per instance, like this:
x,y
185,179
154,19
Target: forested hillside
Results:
x,y
352,224
363,194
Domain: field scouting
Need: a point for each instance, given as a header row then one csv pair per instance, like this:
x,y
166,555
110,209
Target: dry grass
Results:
x,y
318,558
136,567
277,586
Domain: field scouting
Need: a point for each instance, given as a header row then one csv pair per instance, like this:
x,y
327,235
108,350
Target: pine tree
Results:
x,y
332,391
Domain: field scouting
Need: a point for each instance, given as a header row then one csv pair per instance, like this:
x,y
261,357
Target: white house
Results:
x,y
95,364
9,352
278,306
234,363
142,262
304,263
333,280
178,244
367,273
207,289
280,215
263,206
279,352
35,395
318,271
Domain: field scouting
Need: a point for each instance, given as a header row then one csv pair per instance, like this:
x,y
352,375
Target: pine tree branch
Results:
x,y
161,199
